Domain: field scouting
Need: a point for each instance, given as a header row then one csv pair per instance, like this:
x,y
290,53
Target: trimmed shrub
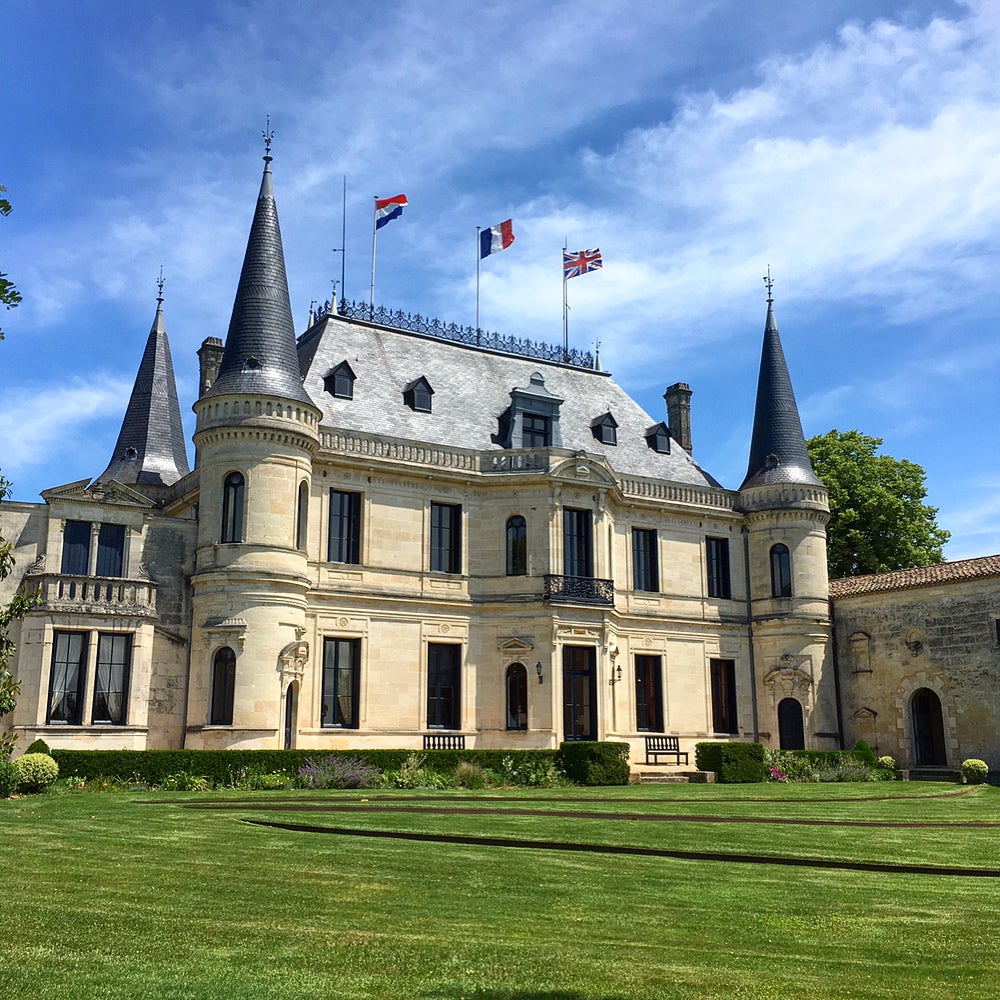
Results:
x,y
734,763
8,778
865,754
39,746
592,762
35,771
974,771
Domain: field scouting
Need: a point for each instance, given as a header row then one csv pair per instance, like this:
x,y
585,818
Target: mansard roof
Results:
x,y
150,449
472,391
777,448
260,355
920,576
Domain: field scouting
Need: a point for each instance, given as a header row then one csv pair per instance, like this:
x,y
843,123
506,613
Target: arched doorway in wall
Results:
x,y
928,729
291,710
791,731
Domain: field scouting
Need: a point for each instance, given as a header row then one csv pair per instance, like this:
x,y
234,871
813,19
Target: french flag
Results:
x,y
387,209
495,239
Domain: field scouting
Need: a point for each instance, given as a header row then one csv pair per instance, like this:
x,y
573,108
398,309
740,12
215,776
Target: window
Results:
x,y
446,538
536,431
233,506
648,695
76,549
443,685
69,664
345,527
645,564
658,438
717,552
517,696
605,429
302,516
517,546
417,395
339,381
114,660
223,687
341,677
110,549
578,548
781,571
723,696
579,693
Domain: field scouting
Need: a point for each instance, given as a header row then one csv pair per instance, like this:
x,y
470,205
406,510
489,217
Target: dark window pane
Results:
x,y
233,506
114,658
579,693
578,542
110,549
648,697
536,431
517,696
76,548
302,516
717,551
341,679
444,685
223,687
69,663
781,571
517,546
645,561
446,538
723,673
345,527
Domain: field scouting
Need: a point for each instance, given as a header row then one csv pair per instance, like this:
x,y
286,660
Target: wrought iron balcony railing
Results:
x,y
94,594
579,589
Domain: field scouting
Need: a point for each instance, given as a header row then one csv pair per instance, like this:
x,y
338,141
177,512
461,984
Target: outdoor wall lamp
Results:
x,y
616,674
538,669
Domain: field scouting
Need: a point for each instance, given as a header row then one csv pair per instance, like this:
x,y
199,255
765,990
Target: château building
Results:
x,y
396,529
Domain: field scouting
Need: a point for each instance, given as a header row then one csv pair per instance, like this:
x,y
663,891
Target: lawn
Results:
x,y
151,895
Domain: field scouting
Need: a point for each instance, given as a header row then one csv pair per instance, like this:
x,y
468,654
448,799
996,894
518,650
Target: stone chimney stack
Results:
x,y
209,359
678,397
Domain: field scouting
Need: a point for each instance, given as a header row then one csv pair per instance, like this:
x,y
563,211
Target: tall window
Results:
x,y
110,549
517,546
781,571
536,431
444,680
645,564
717,553
648,695
579,693
723,696
345,527
233,507
302,516
341,679
69,664
517,696
76,549
223,687
446,537
114,659
578,542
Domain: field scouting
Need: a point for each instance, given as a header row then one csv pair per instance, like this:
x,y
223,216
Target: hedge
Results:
x,y
591,762
151,767
733,763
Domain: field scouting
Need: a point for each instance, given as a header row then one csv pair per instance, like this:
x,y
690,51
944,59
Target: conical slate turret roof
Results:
x,y
150,448
778,449
260,354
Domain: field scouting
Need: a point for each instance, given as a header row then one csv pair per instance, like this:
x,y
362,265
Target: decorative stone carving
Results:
x,y
292,661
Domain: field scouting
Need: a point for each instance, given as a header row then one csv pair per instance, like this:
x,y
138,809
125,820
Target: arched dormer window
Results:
x,y
517,696
781,571
223,687
233,507
658,438
605,429
517,546
417,395
339,381
302,516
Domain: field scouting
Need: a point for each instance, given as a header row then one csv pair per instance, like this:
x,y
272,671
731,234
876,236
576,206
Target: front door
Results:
x,y
290,717
791,734
928,729
579,693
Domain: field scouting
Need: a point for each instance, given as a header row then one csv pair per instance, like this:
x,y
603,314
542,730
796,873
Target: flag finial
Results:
x,y
159,287
268,135
769,284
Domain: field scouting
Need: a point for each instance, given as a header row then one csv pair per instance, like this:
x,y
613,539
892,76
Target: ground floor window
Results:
x,y
68,673
444,685
648,695
517,696
723,676
341,677
579,693
223,687
73,660
114,659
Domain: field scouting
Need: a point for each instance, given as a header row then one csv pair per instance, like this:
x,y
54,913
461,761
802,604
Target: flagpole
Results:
x,y
478,260
343,247
565,307
371,302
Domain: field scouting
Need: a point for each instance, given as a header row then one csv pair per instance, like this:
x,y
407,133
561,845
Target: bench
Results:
x,y
664,746
444,741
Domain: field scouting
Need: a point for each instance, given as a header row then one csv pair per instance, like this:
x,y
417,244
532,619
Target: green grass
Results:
x,y
136,895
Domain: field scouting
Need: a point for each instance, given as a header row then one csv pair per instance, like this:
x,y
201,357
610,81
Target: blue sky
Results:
x,y
853,146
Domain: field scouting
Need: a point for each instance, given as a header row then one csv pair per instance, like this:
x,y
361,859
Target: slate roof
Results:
x,y
777,448
922,576
150,449
260,354
471,390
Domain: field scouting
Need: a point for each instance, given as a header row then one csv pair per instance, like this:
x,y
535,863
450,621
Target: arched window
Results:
x,y
517,546
302,515
517,696
223,687
791,731
233,507
781,571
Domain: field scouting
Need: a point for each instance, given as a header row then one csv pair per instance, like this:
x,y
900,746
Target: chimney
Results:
x,y
678,397
209,359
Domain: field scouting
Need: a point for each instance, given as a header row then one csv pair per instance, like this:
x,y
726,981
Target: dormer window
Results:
x,y
605,429
658,438
417,395
536,431
339,382
532,420
252,364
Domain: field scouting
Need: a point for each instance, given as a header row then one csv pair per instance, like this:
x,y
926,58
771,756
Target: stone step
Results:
x,y
935,774
661,777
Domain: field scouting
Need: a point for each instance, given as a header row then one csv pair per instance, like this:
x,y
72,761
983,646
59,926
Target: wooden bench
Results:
x,y
664,746
444,741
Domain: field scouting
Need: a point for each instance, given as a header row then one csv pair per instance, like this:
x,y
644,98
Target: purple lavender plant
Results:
x,y
337,772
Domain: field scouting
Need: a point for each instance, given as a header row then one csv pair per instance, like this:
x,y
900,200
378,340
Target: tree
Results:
x,y
878,520
9,295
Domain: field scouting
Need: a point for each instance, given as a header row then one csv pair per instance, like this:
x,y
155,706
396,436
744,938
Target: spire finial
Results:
x,y
769,284
268,135
159,286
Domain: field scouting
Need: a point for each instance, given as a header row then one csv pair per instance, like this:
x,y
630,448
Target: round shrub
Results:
x,y
35,771
974,771
887,761
8,778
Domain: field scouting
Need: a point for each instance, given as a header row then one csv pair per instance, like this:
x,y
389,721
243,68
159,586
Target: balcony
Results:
x,y
94,595
579,590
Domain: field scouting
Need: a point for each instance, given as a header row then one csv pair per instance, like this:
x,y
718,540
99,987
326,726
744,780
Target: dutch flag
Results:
x,y
495,239
387,209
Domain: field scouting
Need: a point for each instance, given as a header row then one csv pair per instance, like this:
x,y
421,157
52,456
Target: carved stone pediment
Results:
x,y
226,631
583,468
112,493
292,660
515,646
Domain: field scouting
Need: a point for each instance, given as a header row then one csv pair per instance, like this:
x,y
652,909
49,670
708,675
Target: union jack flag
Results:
x,y
580,262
